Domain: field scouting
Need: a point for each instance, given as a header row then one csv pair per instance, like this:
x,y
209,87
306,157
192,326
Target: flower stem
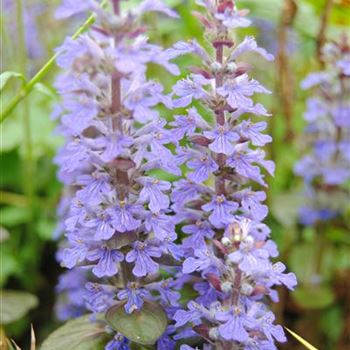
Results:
x,y
321,37
220,186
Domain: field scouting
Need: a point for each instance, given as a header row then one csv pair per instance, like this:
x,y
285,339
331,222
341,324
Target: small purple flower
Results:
x,y
251,203
235,324
193,315
279,277
233,19
187,124
239,90
188,89
119,342
221,209
199,232
76,253
123,216
222,140
141,255
161,224
202,260
94,186
108,260
203,167
249,259
152,193
103,224
98,297
251,131
80,116
134,297
247,45
114,145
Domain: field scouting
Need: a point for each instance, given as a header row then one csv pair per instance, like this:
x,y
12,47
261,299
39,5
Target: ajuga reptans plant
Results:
x,y
220,202
116,213
120,219
326,168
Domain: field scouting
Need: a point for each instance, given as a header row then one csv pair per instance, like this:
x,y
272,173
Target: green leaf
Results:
x,y
78,334
10,265
12,216
6,76
314,297
143,326
15,305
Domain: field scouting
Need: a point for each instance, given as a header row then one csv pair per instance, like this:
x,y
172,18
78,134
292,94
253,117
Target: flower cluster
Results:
x,y
118,225
326,168
227,254
120,220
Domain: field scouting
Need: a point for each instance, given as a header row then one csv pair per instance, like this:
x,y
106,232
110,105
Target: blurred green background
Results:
x,y
318,311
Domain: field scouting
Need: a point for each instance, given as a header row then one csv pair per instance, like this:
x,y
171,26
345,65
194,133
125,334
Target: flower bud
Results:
x,y
215,67
226,287
246,289
231,67
214,333
226,241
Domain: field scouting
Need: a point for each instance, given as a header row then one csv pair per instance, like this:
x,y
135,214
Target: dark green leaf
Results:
x,y
143,327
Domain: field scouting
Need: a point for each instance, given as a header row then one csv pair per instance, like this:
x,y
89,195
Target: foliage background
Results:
x,y
320,312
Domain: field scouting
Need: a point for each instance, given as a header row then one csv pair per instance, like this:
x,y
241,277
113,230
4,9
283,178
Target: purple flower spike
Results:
x,y
116,215
227,253
325,166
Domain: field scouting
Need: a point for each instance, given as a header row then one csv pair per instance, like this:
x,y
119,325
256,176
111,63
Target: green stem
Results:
x,y
320,247
28,172
27,88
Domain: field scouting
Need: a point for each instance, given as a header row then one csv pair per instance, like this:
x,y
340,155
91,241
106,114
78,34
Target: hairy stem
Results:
x,y
122,178
220,186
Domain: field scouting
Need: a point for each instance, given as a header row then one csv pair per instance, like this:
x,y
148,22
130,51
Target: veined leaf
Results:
x,y
143,326
78,334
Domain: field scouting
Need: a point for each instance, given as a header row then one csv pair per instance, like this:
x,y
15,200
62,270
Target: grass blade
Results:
x,y
301,340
